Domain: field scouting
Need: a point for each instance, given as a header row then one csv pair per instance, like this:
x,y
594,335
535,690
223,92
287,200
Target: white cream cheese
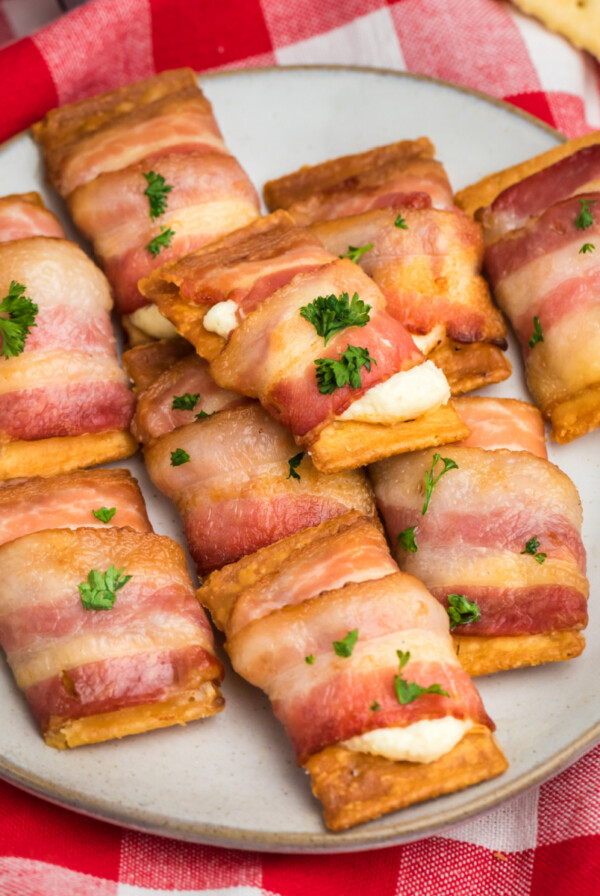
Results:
x,y
221,318
151,321
423,741
426,342
404,396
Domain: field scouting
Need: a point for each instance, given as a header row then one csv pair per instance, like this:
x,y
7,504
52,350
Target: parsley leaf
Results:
x,y
584,219
332,314
160,242
294,462
346,645
407,539
309,659
587,247
537,336
462,611
185,402
431,482
332,374
15,328
156,191
531,547
100,590
104,514
354,253
400,222
406,691
179,457
375,706
204,416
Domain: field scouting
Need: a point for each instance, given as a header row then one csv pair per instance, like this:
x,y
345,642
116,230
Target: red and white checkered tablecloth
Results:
x,y
543,843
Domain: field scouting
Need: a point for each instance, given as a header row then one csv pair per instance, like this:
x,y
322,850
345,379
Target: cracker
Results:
x,y
482,656
577,20
469,366
47,457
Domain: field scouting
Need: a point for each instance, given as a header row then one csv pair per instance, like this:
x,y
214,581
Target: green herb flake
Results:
x,y
100,590
375,706
584,219
15,328
332,314
355,253
204,416
185,402
540,557
105,514
431,481
407,539
400,222
160,242
309,659
156,191
537,335
531,547
346,645
294,462
462,611
406,691
332,374
587,247
179,457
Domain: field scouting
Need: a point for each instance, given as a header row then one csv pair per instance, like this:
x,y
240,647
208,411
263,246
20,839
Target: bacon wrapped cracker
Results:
x,y
23,215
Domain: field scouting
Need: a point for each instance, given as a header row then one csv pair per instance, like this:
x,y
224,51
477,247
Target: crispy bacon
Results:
x,y
235,494
502,423
145,363
23,215
474,535
71,662
165,113
68,500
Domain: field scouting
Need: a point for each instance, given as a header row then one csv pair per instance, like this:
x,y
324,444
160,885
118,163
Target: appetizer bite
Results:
x,y
104,635
147,178
493,529
305,332
64,400
359,666
23,215
542,222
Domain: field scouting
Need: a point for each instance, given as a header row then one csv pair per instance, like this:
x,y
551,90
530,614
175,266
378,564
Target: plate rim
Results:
x,y
361,838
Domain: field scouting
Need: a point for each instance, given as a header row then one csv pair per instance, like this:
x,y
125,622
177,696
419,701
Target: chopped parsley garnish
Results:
x,y
537,335
105,514
407,539
584,219
587,247
204,416
309,659
100,590
431,481
156,191
15,328
185,402
346,645
406,691
400,222
354,253
332,374
179,457
375,706
462,611
295,462
531,547
160,242
332,314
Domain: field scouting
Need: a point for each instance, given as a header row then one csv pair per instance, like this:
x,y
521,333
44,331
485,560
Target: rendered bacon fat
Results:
x,y
283,608
67,381
90,674
68,501
485,523
235,493
398,175
23,215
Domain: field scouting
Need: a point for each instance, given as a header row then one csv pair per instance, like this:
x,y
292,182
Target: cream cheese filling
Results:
x,y
423,741
153,323
404,396
221,318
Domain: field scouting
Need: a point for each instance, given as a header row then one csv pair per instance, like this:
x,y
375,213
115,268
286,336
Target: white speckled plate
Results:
x,y
232,780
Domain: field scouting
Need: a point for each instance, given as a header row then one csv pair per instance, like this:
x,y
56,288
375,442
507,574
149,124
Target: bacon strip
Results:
x,y
23,215
473,537
235,494
154,645
502,423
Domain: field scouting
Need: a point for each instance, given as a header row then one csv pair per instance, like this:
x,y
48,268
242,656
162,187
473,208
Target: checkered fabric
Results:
x,y
543,843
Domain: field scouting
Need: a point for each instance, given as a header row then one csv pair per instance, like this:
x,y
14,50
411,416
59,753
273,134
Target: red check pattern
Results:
x,y
546,841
